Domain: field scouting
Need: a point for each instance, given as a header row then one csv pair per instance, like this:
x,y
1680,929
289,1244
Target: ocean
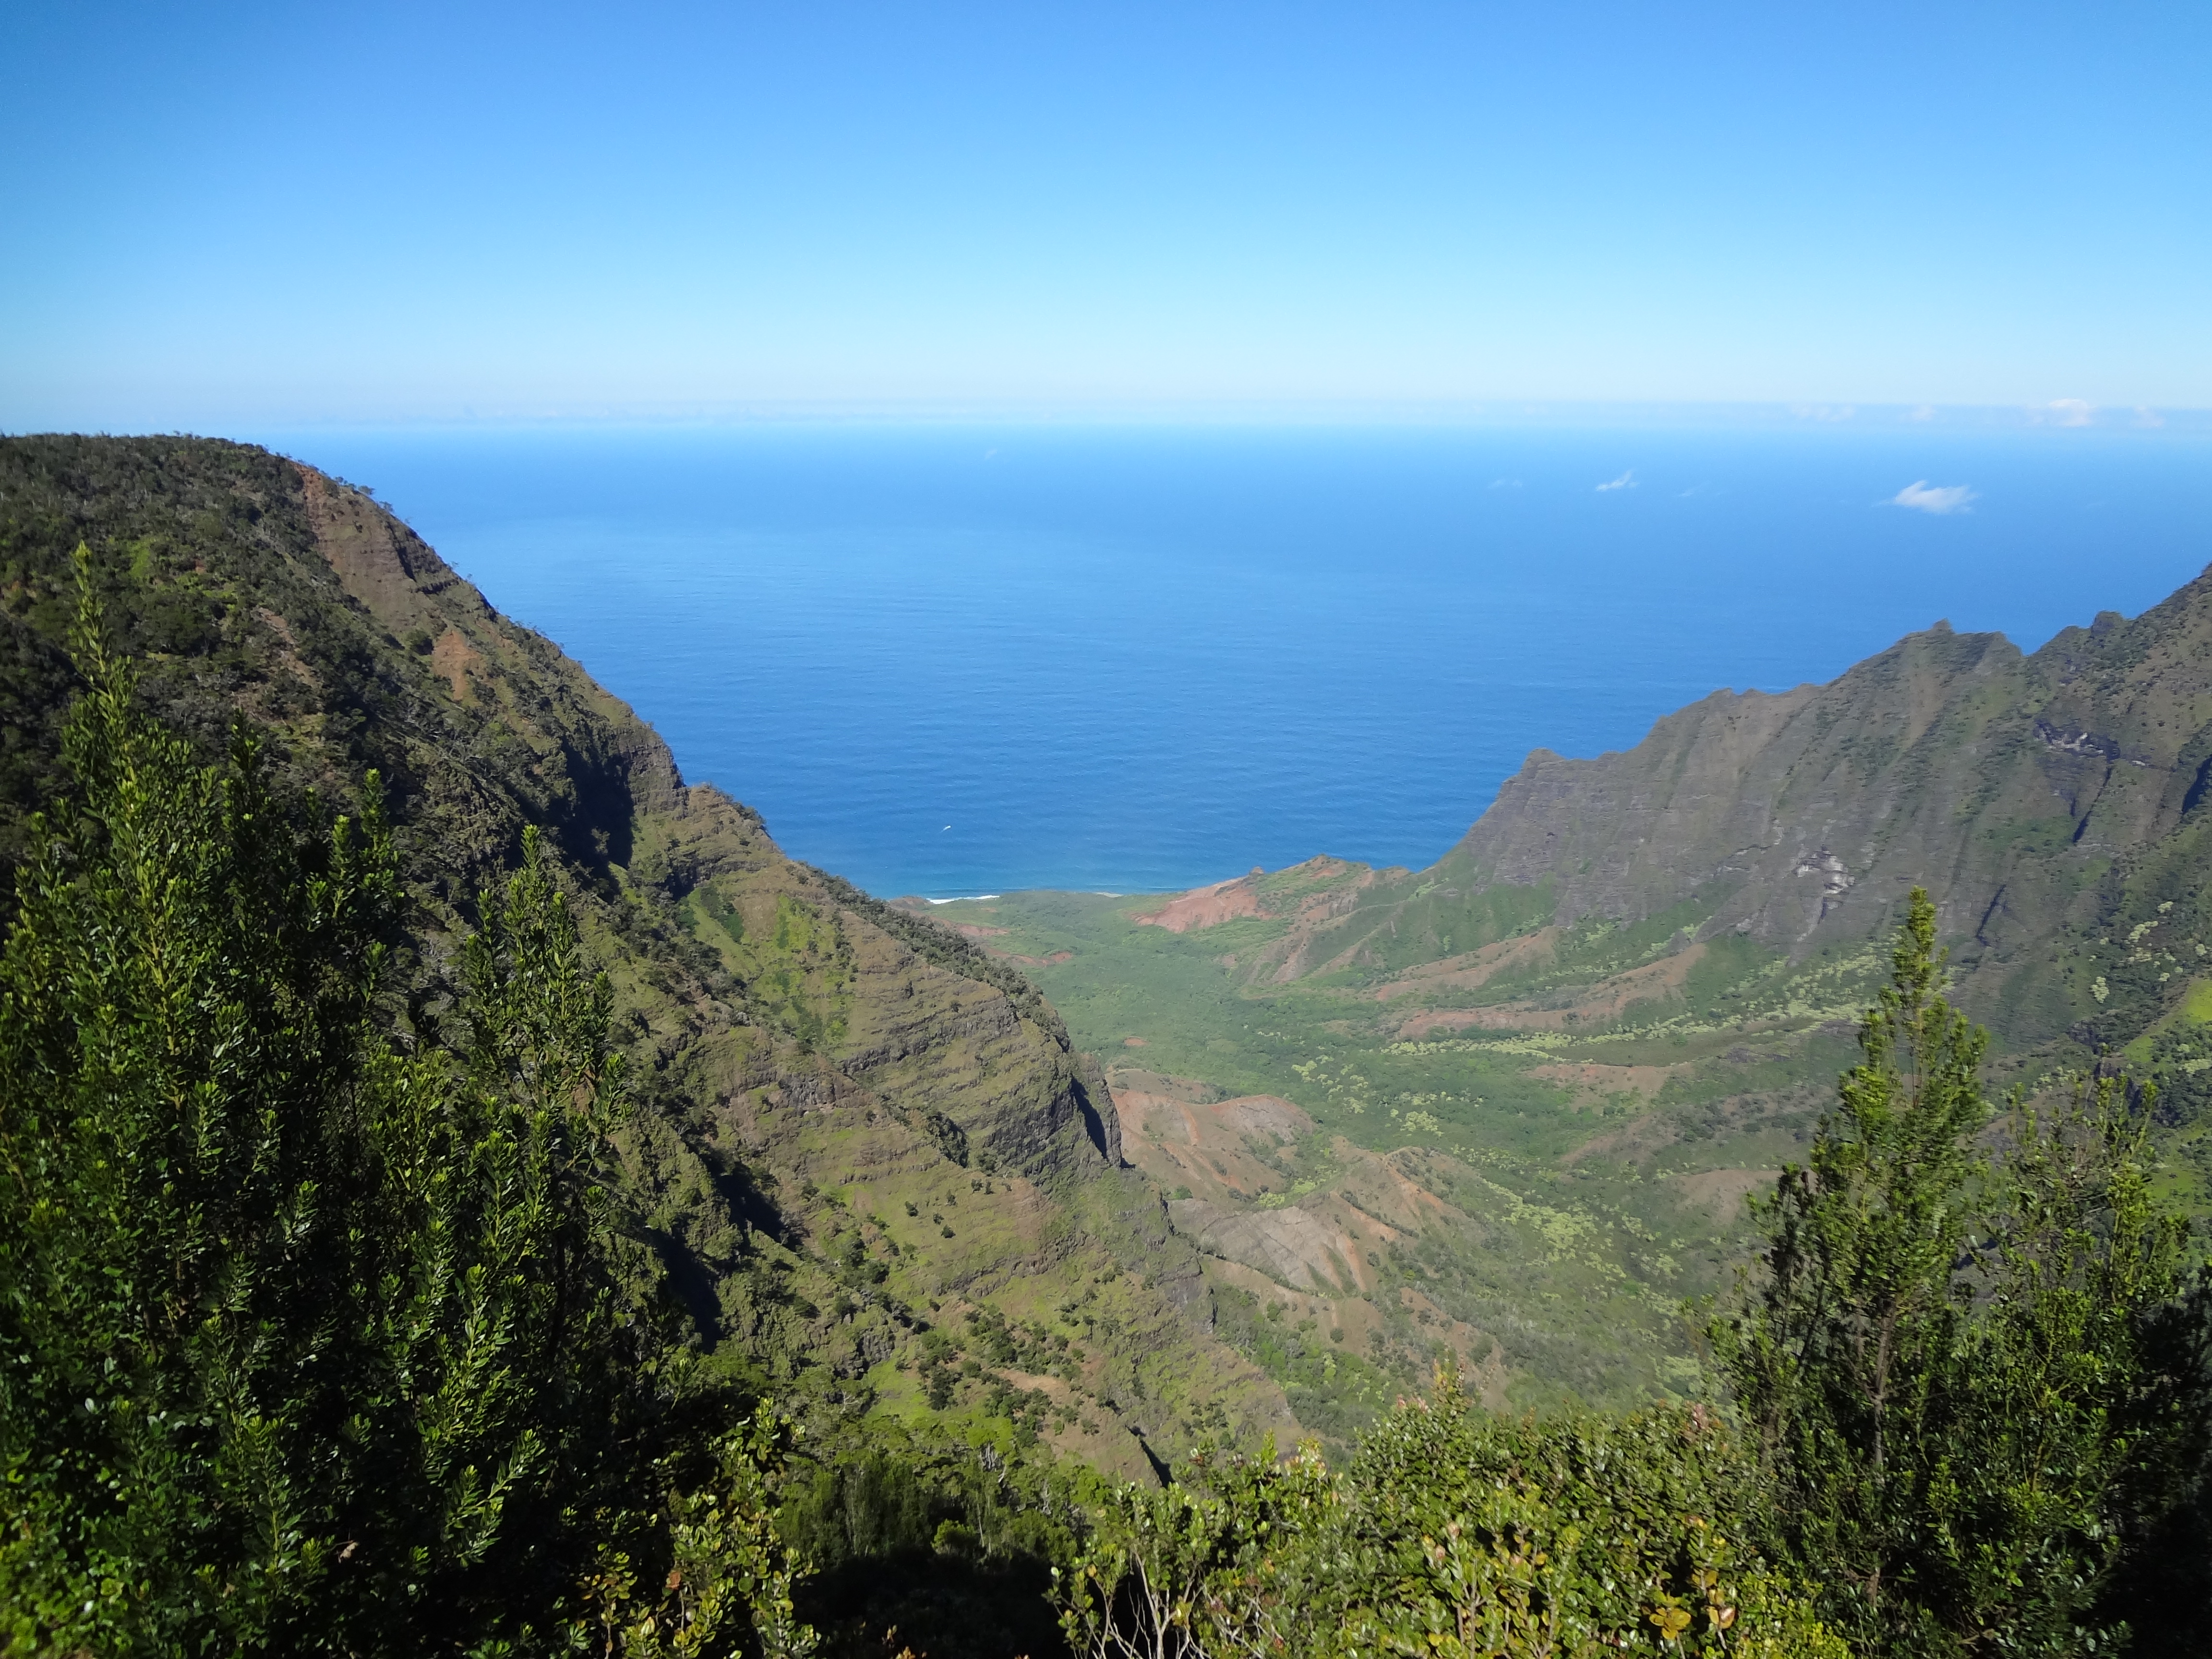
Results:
x,y
950,659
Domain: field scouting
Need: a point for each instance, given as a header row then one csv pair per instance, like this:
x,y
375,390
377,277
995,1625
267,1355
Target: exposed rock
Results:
x,y
1206,907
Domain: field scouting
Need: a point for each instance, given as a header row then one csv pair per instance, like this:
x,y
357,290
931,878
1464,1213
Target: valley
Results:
x,y
1000,1202
1569,1049
1242,1159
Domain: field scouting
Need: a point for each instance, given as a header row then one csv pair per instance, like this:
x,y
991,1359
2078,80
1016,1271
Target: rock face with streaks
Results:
x,y
2029,793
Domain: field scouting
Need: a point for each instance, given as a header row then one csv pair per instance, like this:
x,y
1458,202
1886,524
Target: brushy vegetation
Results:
x,y
324,1328
1971,1396
311,1341
1966,1374
1454,1533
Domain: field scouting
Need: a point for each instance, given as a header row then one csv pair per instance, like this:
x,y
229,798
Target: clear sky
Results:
x,y
222,216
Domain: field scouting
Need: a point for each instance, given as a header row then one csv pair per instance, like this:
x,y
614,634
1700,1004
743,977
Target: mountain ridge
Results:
x,y
807,1063
2006,782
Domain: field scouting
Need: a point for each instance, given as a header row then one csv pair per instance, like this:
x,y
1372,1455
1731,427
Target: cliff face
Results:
x,y
815,1074
2038,798
2053,803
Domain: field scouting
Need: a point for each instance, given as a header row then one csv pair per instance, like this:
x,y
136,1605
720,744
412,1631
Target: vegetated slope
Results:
x,y
1365,1202
2048,802
881,1179
1620,1002
2053,804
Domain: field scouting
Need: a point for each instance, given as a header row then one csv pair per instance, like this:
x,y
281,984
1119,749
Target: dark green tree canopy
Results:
x,y
308,1342
1955,1366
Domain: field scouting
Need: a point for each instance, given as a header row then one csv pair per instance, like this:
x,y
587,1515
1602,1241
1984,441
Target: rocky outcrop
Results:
x,y
2001,781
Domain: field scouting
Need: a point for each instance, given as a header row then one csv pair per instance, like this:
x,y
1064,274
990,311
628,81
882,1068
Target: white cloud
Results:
x,y
1924,497
1922,412
2065,411
2149,417
1506,483
1625,481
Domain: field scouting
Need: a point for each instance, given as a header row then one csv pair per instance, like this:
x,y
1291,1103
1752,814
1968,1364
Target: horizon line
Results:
x,y
2063,413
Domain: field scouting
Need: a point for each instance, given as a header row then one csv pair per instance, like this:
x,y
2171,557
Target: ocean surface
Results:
x,y
951,659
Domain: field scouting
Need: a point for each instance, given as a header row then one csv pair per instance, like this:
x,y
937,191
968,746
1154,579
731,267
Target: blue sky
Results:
x,y
239,215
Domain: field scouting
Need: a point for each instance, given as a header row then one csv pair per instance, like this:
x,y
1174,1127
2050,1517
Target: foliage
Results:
x,y
1196,1568
1454,1533
1952,1364
947,1537
731,1574
307,1343
1860,1312
1624,1533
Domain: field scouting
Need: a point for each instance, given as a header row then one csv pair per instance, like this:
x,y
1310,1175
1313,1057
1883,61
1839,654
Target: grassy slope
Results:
x,y
1581,1209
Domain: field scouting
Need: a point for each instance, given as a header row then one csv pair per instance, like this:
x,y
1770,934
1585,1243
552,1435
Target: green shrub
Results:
x,y
308,1344
1453,1533
1961,1368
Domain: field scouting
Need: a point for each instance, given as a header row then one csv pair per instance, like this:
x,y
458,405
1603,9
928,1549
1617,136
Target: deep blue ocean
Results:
x,y
955,659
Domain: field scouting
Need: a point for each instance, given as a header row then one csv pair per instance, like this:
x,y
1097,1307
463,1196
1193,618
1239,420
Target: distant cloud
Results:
x,y
1923,412
2149,417
2065,411
1506,483
1924,497
1824,411
1625,481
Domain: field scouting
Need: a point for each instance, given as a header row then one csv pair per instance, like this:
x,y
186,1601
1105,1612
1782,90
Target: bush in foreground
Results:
x,y
308,1344
1970,1375
1454,1533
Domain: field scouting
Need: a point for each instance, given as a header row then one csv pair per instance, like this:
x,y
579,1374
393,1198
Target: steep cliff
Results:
x,y
2038,798
815,1074
2051,803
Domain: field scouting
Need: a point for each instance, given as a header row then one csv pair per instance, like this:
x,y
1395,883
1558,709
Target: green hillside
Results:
x,y
1618,1004
874,1174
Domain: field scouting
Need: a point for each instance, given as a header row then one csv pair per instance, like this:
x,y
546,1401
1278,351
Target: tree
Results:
x,y
1949,1368
2069,1411
187,1084
307,1343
